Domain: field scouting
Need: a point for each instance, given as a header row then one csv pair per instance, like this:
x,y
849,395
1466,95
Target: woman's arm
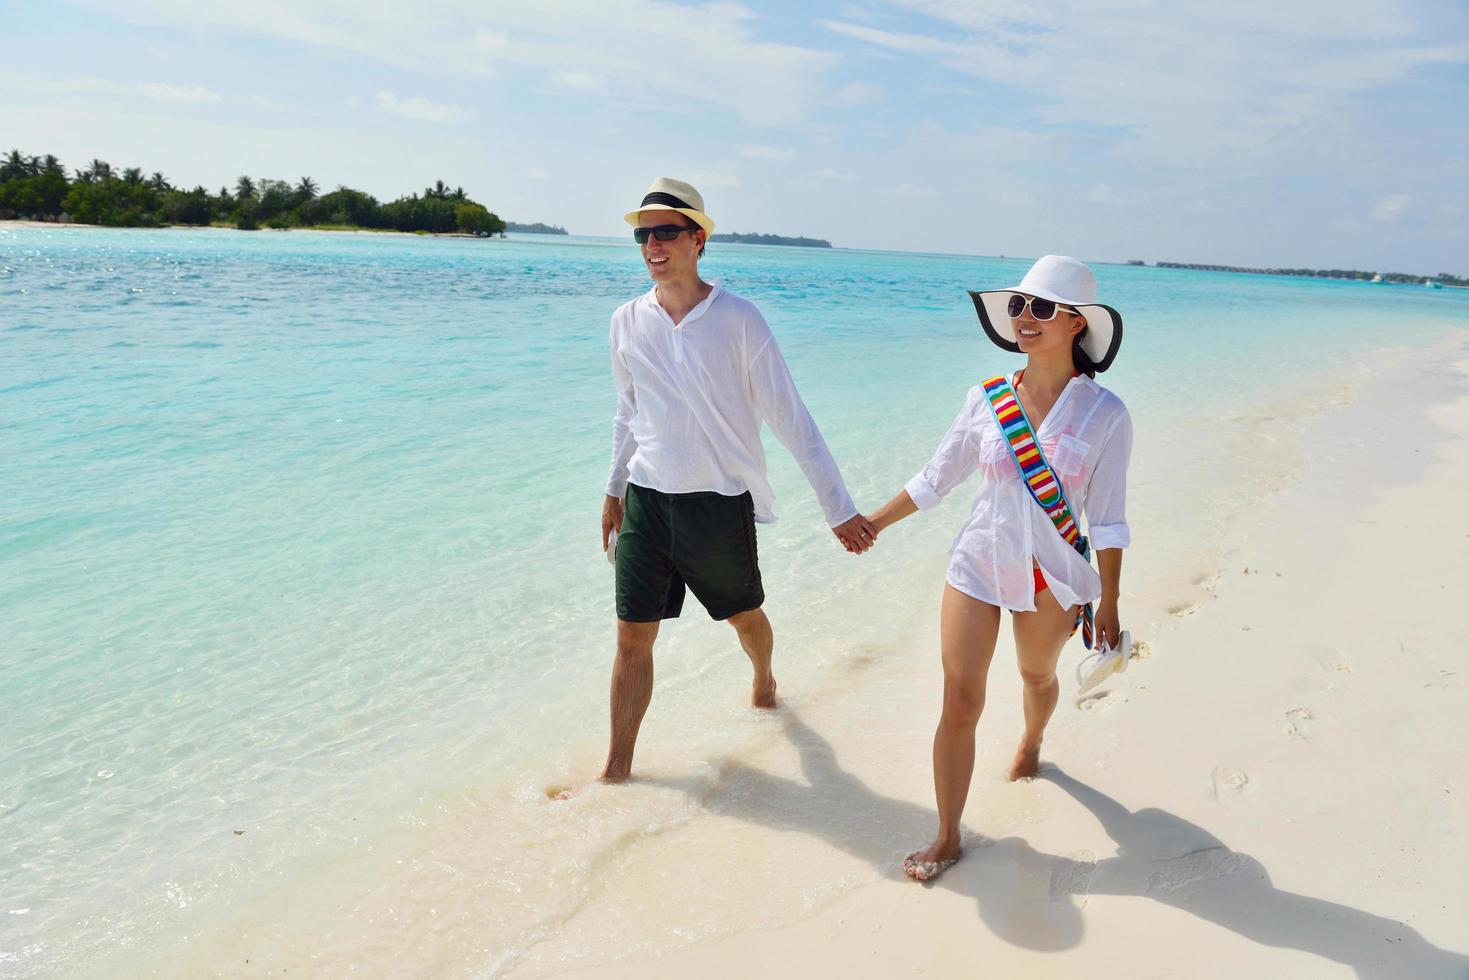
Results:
x,y
1108,622
893,511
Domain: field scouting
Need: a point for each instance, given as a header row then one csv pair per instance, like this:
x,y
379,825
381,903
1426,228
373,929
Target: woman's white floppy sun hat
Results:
x,y
668,194
1062,280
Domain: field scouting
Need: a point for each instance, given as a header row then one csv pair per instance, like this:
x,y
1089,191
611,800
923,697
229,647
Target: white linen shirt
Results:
x,y
1087,439
690,400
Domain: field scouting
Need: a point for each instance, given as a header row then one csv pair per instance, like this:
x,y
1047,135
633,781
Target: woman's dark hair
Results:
x,y
1079,359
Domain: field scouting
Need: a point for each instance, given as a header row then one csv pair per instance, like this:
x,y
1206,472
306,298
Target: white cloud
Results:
x,y
164,92
536,173
494,41
422,109
859,93
167,92
1390,208
1227,86
909,189
760,152
714,50
828,173
580,81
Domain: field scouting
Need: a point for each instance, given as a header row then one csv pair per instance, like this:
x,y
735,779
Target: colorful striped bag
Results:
x,y
1042,483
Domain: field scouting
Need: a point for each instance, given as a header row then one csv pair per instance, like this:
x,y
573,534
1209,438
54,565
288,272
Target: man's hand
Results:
x,y
1107,624
856,534
611,518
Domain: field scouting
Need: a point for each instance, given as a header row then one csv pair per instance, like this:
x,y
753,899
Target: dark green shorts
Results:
x,y
705,540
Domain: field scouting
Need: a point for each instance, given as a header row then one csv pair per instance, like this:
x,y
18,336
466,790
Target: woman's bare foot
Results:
x,y
932,861
1027,761
762,695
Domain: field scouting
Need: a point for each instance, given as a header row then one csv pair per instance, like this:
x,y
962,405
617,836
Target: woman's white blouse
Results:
x,y
1087,439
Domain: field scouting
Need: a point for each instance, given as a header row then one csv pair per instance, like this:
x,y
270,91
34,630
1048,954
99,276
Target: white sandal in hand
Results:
x,y
1105,662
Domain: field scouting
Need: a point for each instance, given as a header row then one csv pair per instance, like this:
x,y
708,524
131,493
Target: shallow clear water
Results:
x,y
298,528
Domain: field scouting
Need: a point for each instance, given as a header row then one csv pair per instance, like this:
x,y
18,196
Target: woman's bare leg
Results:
x,y
969,629
1039,637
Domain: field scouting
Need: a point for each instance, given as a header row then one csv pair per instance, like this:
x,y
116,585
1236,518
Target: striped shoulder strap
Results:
x,y
1040,480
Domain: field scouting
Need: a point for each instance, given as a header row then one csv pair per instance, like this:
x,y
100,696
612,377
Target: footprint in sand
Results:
x,y
1185,610
1414,646
1229,784
1334,661
1141,650
1186,869
1298,722
1100,701
1073,877
1209,583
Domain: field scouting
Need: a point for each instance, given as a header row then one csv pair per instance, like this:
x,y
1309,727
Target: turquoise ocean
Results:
x,y
299,532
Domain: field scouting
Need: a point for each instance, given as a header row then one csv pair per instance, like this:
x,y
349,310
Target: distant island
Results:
x,y
38,188
753,239
535,228
1442,278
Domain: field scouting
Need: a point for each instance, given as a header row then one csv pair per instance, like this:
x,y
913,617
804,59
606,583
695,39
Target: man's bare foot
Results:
x,y
1027,762
762,695
571,791
932,861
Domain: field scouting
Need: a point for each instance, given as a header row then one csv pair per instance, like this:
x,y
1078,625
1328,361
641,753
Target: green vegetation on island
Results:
x,y
752,239
1404,277
39,189
535,228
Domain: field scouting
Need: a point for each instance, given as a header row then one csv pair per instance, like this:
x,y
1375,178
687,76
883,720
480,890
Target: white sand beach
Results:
x,y
1276,787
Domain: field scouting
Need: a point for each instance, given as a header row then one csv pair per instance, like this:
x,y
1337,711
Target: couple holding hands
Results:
x,y
697,373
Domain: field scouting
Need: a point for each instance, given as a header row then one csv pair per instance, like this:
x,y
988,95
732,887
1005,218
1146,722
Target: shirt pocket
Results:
x,y
1069,457
995,459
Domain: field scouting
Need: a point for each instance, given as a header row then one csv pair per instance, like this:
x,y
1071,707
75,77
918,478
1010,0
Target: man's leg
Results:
x,y
758,640
632,689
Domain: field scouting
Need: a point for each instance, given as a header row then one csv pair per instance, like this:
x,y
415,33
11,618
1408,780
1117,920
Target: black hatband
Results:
x,y
658,197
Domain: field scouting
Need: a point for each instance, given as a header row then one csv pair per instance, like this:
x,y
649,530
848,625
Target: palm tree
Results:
x,y
244,188
440,190
33,166
306,189
14,166
458,194
133,175
51,165
101,169
159,182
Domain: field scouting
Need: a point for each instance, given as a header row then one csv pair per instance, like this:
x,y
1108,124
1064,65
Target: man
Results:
x,y
697,372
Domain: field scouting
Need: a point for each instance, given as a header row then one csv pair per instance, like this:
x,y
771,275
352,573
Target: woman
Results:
x,y
1012,552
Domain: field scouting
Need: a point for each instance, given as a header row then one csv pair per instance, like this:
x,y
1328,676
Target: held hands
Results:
x,y
856,534
611,518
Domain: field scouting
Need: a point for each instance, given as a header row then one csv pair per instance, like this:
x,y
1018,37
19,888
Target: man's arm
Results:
x,y
781,407
623,444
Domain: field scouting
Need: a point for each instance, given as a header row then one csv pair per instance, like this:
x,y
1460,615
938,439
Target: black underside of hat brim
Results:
x,y
989,328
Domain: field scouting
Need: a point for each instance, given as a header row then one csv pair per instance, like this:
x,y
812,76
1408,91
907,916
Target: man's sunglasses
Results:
x,y
1040,309
664,233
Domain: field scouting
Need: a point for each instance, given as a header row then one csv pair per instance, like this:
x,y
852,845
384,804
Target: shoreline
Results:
x,y
25,223
795,836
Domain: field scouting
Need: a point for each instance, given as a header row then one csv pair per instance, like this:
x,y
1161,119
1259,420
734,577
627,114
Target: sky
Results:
x,y
1301,133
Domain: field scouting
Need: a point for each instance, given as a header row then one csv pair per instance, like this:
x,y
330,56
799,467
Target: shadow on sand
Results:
x,y
1029,899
